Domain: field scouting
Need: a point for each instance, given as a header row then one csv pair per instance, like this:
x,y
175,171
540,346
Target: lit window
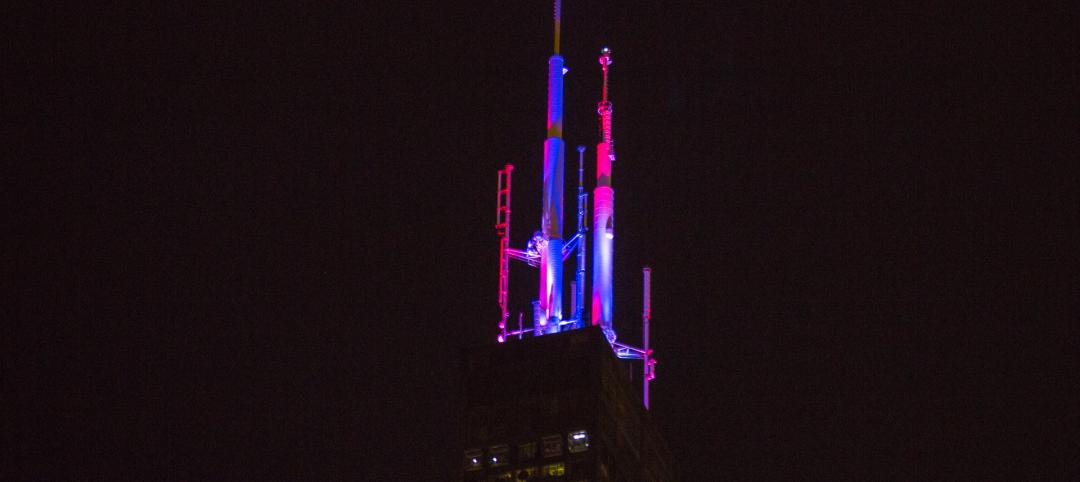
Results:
x,y
552,445
554,470
505,476
526,473
527,451
577,441
474,459
498,455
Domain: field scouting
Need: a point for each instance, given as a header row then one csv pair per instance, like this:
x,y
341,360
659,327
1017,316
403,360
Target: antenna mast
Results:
x,y
558,24
604,107
547,249
551,235
648,370
603,213
578,241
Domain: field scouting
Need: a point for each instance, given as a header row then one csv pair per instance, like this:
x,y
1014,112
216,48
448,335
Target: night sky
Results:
x,y
269,231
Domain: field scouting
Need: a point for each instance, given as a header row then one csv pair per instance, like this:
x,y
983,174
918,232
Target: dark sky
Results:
x,y
269,231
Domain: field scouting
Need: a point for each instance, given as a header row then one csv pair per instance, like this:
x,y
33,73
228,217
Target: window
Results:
x,y
527,451
526,473
474,459
577,441
553,470
498,455
552,445
505,476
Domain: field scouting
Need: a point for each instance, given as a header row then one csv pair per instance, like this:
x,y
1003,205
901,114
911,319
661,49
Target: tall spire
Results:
x,y
551,256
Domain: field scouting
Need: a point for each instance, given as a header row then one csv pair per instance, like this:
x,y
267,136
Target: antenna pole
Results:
x,y
551,262
603,214
582,202
558,24
646,315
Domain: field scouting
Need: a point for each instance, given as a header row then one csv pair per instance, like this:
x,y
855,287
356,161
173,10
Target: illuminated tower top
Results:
x,y
561,361
548,249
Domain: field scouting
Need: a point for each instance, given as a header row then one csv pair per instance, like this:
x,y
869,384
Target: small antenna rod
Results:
x,y
604,109
580,169
582,202
646,316
558,24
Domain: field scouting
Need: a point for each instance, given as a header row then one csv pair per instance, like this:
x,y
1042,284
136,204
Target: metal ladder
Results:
x,y
502,226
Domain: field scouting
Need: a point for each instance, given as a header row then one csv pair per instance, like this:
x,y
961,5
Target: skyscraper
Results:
x,y
557,407
554,400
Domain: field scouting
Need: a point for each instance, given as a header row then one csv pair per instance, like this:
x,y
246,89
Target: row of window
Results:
x,y
531,473
550,446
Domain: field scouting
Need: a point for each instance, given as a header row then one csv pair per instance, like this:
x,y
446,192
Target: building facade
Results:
x,y
556,407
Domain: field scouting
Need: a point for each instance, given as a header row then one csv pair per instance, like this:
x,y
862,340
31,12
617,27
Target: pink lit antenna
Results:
x,y
604,108
603,213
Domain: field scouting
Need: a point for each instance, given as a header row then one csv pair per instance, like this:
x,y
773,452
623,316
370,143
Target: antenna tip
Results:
x,y
581,149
